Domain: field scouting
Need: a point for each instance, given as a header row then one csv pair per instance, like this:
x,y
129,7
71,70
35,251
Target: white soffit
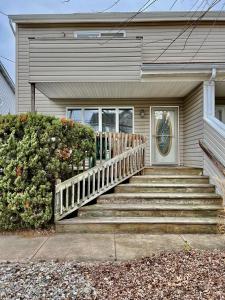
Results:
x,y
220,89
102,90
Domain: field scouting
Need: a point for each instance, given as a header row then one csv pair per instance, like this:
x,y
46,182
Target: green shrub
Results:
x,y
35,150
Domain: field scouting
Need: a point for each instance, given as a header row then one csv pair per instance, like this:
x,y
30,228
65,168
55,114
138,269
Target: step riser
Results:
x,y
148,213
162,201
172,171
140,179
146,189
136,228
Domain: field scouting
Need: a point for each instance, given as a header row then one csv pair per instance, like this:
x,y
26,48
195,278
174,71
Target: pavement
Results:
x,y
100,247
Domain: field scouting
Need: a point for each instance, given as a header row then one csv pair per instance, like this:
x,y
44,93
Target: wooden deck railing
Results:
x,y
109,145
126,158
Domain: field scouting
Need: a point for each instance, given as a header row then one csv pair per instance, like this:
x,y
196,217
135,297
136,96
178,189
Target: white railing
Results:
x,y
77,191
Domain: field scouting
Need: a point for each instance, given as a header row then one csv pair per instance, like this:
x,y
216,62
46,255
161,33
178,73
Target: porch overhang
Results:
x,y
156,81
119,90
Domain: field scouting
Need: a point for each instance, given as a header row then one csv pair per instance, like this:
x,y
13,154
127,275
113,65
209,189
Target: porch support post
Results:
x,y
32,85
209,99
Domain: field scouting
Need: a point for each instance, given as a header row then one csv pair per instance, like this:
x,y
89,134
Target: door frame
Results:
x,y
178,132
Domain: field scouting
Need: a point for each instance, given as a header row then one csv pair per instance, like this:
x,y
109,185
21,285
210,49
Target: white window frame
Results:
x,y
98,33
100,108
222,109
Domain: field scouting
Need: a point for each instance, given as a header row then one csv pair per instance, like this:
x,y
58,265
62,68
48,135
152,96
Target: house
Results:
x,y
160,75
7,92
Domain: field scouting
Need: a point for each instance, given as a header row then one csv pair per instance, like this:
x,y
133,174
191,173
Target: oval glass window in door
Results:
x,y
164,134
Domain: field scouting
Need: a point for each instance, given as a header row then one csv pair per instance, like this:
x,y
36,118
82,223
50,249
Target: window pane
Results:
x,y
112,34
126,120
76,115
108,120
91,118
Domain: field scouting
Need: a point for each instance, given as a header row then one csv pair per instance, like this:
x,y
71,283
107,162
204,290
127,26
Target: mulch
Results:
x,y
189,274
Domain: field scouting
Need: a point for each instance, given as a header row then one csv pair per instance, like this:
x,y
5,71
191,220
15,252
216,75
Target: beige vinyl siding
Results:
x,y
141,126
155,40
193,128
73,60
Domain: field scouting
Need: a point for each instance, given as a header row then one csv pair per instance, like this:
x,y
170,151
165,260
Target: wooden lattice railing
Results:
x,y
85,187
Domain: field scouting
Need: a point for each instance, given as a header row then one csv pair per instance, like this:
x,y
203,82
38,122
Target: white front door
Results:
x,y
164,135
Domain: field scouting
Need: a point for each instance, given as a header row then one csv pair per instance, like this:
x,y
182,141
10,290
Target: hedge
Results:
x,y
35,150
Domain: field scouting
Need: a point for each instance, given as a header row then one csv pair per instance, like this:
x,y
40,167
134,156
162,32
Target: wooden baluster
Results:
x,y
72,202
93,183
116,166
103,178
98,183
106,146
125,142
67,197
78,192
89,185
83,189
111,173
61,201
110,145
107,176
100,136
120,172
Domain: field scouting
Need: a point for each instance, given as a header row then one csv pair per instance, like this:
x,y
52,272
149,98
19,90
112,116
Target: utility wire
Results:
x,y
215,2
7,59
209,32
126,22
2,13
110,7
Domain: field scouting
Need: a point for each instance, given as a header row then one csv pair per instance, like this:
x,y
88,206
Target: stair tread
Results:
x,y
141,206
167,185
161,195
140,220
173,168
171,176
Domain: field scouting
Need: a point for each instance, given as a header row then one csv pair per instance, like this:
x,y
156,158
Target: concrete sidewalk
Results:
x,y
100,247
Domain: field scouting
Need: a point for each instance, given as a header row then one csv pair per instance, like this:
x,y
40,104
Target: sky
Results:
x,y
7,40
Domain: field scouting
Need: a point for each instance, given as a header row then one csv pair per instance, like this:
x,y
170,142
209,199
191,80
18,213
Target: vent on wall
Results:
x,y
99,34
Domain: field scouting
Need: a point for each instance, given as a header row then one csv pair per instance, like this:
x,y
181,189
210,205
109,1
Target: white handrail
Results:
x,y
77,191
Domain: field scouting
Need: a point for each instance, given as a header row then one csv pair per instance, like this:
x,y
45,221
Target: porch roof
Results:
x,y
156,81
110,90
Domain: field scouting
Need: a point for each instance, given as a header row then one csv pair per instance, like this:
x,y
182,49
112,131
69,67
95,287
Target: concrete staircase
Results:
x,y
162,200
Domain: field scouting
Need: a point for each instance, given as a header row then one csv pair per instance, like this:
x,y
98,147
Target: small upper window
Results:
x,y
99,34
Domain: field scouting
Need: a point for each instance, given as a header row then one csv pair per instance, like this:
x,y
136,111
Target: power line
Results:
x,y
206,37
215,2
7,59
4,14
126,22
110,7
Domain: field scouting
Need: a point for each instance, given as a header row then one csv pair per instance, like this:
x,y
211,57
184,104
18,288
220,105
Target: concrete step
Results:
x,y
162,198
149,210
172,171
164,188
170,179
139,225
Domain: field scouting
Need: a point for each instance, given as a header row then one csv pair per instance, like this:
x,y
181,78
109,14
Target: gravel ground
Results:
x,y
182,275
43,280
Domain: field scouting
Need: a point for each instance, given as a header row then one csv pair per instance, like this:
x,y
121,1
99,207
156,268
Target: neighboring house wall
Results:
x,y
193,128
7,97
155,39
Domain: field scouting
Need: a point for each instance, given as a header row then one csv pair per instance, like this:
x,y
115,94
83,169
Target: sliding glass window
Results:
x,y
105,119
